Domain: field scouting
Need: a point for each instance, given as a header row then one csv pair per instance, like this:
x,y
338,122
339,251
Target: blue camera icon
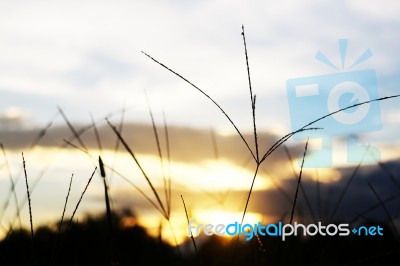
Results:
x,y
312,97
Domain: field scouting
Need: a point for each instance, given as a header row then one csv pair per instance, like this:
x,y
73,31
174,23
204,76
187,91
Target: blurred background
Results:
x,y
80,62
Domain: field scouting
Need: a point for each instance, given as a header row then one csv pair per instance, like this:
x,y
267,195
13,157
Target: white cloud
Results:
x,y
47,48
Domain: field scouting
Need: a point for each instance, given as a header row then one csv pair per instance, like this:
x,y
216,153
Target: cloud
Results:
x,y
55,48
14,118
323,200
97,67
187,145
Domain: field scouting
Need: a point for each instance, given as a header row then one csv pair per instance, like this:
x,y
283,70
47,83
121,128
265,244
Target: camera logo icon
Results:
x,y
316,96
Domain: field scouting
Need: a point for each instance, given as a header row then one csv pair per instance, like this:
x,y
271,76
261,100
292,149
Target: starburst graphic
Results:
x,y
343,53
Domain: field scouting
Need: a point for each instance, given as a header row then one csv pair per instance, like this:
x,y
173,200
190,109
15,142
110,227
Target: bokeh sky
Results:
x,y
85,57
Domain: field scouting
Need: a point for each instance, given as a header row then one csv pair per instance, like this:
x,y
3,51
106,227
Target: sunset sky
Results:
x,y
85,57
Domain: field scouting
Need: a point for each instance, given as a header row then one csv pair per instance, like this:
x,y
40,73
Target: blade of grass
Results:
x,y
286,137
373,207
211,99
389,174
117,142
298,183
65,204
11,191
283,139
252,98
74,132
386,211
96,133
161,205
347,186
44,170
108,212
59,245
56,244
29,197
160,156
257,168
169,201
119,174
191,234
249,194
280,190
309,207
80,199
43,132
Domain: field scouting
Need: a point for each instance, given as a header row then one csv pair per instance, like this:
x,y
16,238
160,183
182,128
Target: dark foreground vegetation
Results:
x,y
91,243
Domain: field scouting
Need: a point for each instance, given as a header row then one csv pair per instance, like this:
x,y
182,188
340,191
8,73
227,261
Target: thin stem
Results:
x,y
286,137
310,209
96,133
191,234
373,207
249,194
140,167
12,189
252,98
169,202
74,132
80,199
29,197
121,175
211,99
65,204
153,123
347,186
298,183
385,210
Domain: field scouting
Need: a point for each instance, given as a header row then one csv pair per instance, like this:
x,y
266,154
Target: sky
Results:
x,y
86,58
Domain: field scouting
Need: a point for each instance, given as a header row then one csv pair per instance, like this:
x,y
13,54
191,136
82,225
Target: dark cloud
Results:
x,y
186,144
357,199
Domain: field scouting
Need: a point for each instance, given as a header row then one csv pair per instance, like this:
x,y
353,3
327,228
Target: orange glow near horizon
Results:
x,y
196,178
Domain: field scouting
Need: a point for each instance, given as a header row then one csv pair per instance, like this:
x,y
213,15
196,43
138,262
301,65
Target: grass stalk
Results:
x,y
389,174
206,95
43,132
117,143
296,176
96,133
160,156
386,211
298,183
161,205
74,132
28,194
252,98
108,212
65,204
373,207
167,143
354,173
80,199
191,234
11,191
119,174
